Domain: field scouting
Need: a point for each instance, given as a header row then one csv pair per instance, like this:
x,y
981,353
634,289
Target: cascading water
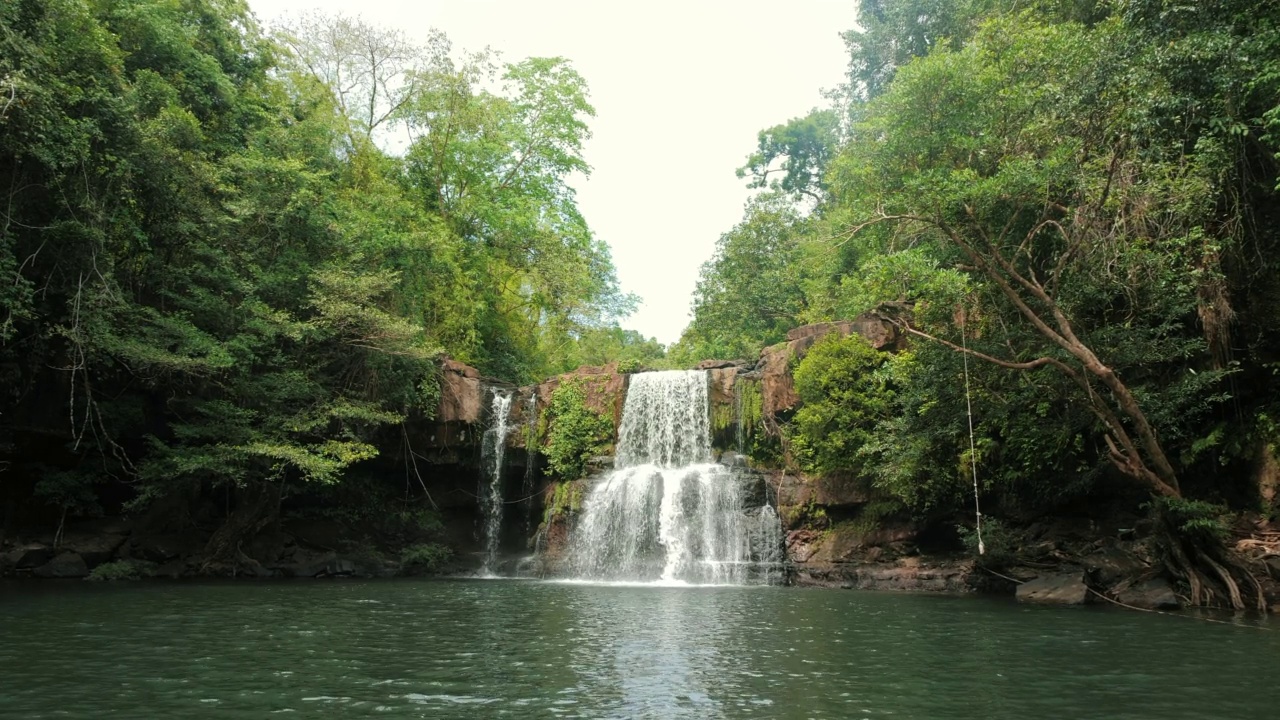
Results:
x,y
492,448
667,512
530,464
767,544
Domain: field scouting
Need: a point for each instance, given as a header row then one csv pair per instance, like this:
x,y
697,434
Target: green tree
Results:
x,y
749,294
798,150
846,392
219,282
1021,160
495,167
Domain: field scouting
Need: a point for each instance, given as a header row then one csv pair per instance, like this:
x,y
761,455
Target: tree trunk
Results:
x,y
257,504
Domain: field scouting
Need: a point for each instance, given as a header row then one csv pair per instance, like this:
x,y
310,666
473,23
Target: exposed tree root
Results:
x,y
256,508
1210,568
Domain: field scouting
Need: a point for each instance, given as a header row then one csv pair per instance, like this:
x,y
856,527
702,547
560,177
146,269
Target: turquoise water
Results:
x,y
486,649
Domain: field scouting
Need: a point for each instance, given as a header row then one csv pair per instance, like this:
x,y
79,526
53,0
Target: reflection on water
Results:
x,y
530,649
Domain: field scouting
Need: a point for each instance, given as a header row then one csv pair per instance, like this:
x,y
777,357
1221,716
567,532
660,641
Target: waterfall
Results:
x,y
766,545
667,512
492,448
530,462
665,421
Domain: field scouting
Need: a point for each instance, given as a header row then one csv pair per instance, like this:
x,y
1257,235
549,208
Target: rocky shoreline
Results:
x,y
1068,570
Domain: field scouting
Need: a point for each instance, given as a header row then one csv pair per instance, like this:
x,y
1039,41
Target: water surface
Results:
x,y
485,649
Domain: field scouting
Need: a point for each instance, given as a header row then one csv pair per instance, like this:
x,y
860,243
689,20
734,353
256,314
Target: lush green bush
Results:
x,y
999,543
567,497
844,396
1190,520
575,431
120,570
428,556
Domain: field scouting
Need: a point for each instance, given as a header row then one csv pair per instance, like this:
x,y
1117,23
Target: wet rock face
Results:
x,y
461,393
1060,589
1154,594
605,389
911,574
777,387
65,565
720,389
94,549
31,556
829,491
161,548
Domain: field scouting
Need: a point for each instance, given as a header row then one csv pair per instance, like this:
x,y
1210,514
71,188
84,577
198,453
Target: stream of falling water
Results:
x,y
492,449
667,512
530,465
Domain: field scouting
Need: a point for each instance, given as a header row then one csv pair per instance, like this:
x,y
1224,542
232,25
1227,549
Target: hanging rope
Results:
x,y
973,455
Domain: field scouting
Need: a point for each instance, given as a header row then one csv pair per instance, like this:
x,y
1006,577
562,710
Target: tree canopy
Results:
x,y
1080,197
221,265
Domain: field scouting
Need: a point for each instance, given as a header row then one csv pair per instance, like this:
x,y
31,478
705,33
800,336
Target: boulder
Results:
x,y
461,393
95,549
1273,564
172,570
266,547
777,387
827,490
802,544
1061,589
65,565
342,566
305,563
905,576
160,548
1111,564
321,532
1154,594
31,555
720,390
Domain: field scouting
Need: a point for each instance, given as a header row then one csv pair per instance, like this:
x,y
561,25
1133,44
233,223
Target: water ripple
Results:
x,y
527,649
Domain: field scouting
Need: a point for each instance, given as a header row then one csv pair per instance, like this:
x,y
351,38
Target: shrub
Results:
x,y
429,556
575,431
999,542
566,498
844,396
119,570
1192,520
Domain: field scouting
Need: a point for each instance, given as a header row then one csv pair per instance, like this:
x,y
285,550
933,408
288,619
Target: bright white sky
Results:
x,y
680,91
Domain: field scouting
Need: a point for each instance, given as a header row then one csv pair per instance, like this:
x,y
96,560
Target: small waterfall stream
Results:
x,y
667,512
492,449
530,463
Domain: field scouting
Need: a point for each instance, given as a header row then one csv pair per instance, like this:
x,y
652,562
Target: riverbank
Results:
x,y
1056,562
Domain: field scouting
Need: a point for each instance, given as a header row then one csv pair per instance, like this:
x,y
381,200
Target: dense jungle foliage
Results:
x,y
231,258
1080,196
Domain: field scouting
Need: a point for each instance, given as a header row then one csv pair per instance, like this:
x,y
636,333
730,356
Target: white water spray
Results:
x,y
667,512
492,450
